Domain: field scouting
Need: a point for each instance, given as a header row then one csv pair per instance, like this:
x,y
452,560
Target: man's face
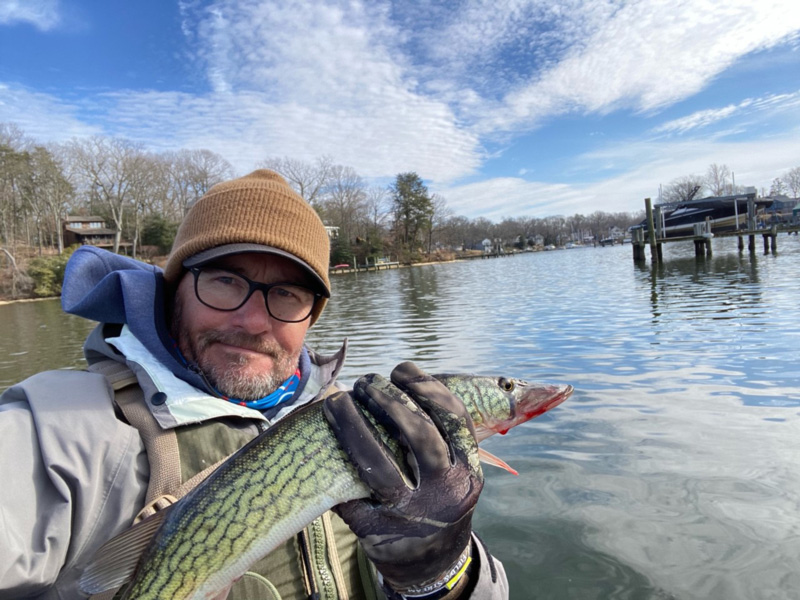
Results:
x,y
245,353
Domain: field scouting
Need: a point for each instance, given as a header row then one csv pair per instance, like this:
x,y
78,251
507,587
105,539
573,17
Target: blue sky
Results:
x,y
512,108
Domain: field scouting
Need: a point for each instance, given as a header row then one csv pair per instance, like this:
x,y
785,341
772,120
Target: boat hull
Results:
x,y
722,213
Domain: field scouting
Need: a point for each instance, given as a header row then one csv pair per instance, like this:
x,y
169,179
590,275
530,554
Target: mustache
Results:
x,y
253,343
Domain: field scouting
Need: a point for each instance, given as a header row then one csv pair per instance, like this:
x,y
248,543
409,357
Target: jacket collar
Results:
x,y
174,402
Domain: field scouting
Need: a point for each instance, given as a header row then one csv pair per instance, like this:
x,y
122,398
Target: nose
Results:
x,y
253,315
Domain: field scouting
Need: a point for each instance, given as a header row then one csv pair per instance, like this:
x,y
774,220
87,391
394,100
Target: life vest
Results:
x,y
323,561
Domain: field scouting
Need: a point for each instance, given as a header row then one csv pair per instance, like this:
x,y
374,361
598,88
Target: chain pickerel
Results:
x,y
270,490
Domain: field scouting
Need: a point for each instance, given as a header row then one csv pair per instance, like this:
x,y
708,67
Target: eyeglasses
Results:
x,y
225,290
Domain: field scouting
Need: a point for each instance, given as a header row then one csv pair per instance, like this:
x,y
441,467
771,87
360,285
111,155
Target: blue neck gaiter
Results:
x,y
284,392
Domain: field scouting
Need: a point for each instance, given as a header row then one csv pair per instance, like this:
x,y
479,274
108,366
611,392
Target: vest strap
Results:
x,y
160,444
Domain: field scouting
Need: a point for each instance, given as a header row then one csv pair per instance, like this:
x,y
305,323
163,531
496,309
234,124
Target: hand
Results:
x,y
419,521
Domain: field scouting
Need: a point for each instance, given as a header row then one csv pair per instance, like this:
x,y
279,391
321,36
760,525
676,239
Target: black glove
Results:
x,y
417,526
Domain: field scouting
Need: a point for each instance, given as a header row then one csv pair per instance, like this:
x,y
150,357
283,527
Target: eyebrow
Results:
x,y
302,281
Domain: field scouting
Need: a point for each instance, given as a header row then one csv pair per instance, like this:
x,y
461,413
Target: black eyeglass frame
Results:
x,y
254,286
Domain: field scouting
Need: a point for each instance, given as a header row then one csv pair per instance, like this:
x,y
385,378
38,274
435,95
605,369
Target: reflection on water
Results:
x,y
673,471
36,336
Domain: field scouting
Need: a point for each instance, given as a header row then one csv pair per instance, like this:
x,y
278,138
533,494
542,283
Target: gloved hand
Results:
x,y
418,524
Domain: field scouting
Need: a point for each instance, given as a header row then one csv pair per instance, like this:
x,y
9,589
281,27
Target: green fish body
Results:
x,y
271,489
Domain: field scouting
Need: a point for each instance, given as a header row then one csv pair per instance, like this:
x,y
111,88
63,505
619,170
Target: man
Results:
x,y
211,352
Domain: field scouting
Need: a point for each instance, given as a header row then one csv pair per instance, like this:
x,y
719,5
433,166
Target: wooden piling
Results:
x,y
655,249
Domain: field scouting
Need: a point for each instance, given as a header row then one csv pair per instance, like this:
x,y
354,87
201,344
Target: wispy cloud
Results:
x,y
705,118
45,117
642,166
647,55
42,14
391,86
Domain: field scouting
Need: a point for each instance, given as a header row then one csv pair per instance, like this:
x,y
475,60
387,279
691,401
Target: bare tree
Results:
x,y
48,193
683,188
345,199
108,167
792,181
718,180
377,208
438,217
192,174
778,187
307,179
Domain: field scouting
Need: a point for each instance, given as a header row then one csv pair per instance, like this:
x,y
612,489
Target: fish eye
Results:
x,y
506,385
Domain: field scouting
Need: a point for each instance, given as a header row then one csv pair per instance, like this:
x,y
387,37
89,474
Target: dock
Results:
x,y
702,237
378,265
383,264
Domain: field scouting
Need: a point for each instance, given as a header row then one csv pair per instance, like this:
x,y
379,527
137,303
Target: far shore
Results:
x,y
18,300
4,301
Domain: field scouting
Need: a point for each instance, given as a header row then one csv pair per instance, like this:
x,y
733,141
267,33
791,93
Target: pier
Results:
x,y
379,264
655,236
383,264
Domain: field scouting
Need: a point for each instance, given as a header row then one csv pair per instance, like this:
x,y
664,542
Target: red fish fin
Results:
x,y
491,459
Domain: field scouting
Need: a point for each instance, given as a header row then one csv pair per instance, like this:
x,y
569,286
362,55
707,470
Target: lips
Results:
x,y
239,343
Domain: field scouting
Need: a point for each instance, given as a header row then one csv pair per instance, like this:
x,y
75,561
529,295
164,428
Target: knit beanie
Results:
x,y
255,213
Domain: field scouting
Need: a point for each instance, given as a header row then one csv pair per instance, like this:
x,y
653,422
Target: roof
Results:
x,y
87,219
91,231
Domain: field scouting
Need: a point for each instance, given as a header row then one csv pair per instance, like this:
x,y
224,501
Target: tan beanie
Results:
x,y
255,213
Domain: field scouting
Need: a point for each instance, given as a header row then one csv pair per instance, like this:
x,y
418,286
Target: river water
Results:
x,y
673,472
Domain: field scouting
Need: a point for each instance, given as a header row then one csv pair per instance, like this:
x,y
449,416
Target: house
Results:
x,y
90,231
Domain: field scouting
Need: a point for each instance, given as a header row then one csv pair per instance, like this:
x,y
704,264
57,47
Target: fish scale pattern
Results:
x,y
244,506
285,478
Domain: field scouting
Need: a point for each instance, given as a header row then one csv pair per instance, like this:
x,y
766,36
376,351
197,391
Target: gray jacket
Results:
x,y
74,475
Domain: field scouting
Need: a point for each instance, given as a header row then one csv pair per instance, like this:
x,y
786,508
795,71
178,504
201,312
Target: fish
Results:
x,y
270,489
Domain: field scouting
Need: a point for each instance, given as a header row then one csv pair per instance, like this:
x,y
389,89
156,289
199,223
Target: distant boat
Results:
x,y
725,213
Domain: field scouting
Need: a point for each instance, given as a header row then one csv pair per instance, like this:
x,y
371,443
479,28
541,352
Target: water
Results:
x,y
672,472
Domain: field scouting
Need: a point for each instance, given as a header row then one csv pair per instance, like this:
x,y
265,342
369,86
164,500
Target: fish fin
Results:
x,y
491,459
224,593
115,561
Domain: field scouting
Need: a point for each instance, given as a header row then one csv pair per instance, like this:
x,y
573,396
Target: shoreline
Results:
x,y
4,301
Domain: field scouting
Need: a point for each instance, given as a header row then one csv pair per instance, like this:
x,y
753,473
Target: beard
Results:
x,y
232,377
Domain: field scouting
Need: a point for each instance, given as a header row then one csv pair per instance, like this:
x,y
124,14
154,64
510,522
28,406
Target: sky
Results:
x,y
504,108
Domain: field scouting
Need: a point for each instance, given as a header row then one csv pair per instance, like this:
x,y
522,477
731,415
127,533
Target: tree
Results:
x,y
191,174
158,231
48,193
109,167
792,181
14,168
683,188
778,187
307,179
438,217
412,207
344,200
718,180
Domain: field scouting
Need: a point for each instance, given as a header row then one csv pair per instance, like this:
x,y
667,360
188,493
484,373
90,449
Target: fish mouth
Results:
x,y
541,398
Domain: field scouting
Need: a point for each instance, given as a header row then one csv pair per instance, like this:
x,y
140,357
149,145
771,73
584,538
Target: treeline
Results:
x,y
142,196
719,180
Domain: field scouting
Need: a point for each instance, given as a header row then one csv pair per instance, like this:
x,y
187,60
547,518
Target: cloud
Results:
x,y
645,56
44,117
705,118
42,14
641,167
388,87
